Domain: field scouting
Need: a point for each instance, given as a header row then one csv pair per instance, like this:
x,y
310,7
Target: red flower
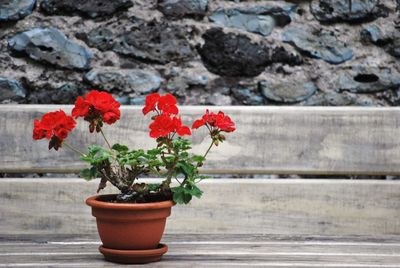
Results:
x,y
220,122
151,102
97,107
166,104
54,126
164,124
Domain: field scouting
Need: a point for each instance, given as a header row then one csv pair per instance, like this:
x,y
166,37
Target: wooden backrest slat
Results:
x,y
270,140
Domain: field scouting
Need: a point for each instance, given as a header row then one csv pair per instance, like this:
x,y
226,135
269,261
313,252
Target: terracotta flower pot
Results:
x,y
130,230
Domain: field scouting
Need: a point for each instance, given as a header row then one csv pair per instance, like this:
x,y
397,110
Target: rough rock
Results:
x,y
228,54
51,46
11,90
66,94
340,99
319,44
90,8
15,9
137,101
154,41
388,40
194,76
281,55
362,79
218,99
248,96
287,89
347,10
257,19
183,8
138,81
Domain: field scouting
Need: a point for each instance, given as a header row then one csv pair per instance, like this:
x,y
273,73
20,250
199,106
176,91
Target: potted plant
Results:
x,y
131,223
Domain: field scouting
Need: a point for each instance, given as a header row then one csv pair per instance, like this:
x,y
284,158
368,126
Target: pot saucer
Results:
x,y
134,256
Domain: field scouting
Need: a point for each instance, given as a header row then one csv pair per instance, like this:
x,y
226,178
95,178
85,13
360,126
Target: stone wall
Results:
x,y
320,52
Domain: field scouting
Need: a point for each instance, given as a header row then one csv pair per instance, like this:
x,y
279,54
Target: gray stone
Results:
x,y
90,8
362,79
137,101
123,100
183,8
218,99
287,91
133,80
66,94
340,99
228,54
347,10
51,46
319,44
257,19
373,34
248,96
154,41
11,90
11,10
389,40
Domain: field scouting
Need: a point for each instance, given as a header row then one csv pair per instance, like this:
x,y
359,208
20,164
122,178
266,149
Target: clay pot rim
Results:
x,y
95,203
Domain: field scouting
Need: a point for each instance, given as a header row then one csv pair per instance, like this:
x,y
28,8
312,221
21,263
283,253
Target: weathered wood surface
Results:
x,y
290,207
210,250
275,140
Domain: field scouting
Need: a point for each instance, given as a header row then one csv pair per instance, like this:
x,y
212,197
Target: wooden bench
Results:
x,y
238,222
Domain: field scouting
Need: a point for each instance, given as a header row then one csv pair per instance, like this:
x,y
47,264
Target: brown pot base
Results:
x,y
134,256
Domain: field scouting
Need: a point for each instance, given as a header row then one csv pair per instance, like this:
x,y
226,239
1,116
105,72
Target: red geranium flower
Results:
x,y
164,124
220,122
54,126
164,104
96,108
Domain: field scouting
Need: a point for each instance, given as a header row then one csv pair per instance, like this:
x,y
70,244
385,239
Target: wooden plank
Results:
x,y
290,207
259,252
273,140
203,247
213,238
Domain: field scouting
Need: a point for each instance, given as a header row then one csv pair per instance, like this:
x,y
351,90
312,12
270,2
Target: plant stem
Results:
x,y
102,133
208,150
73,149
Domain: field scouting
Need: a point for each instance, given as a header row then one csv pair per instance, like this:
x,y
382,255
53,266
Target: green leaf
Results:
x,y
186,168
153,186
198,158
184,194
89,173
120,148
180,196
96,155
195,191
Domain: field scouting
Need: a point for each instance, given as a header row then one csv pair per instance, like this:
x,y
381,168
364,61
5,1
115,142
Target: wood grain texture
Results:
x,y
213,251
273,140
290,207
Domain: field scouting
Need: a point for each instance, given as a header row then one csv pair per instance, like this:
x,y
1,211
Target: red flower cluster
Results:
x,y
219,122
166,122
96,108
162,104
54,126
